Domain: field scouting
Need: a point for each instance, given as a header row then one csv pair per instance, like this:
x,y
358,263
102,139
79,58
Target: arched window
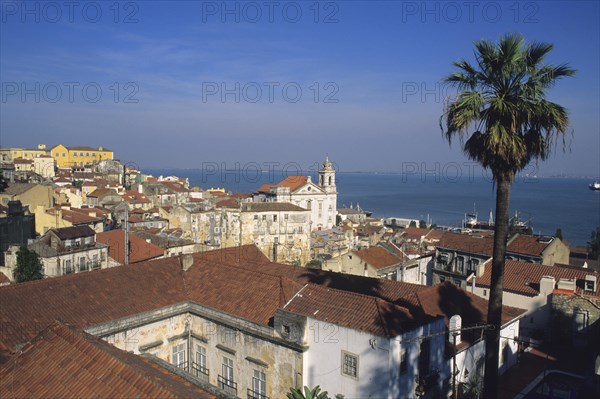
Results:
x,y
329,181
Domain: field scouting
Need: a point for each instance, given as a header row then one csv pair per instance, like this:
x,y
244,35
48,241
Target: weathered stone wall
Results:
x,y
575,320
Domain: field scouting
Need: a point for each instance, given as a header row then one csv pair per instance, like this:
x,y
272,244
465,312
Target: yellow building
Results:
x,y
79,156
38,197
10,154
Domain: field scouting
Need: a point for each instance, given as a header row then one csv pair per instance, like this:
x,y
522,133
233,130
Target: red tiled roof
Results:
x,y
466,243
292,182
76,217
3,279
446,299
524,278
228,203
360,312
414,233
140,249
67,363
22,161
86,299
100,192
527,245
174,186
133,197
239,281
377,257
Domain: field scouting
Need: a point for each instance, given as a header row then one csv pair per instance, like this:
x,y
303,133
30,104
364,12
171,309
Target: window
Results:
x,y
349,364
227,370
68,267
403,361
285,330
460,264
484,292
199,368
201,356
178,358
95,262
424,357
259,385
286,216
82,266
274,218
589,285
255,217
264,217
64,155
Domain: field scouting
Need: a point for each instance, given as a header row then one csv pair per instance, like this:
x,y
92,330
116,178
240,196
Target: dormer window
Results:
x,y
590,283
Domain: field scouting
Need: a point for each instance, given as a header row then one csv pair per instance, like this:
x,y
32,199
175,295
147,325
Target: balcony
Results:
x,y
227,385
256,395
183,365
200,372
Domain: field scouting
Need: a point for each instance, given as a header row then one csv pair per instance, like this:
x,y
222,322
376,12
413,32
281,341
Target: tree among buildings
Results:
x,y
29,266
504,121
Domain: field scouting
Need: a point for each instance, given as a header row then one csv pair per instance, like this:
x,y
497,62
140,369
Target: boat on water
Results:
x,y
595,186
471,221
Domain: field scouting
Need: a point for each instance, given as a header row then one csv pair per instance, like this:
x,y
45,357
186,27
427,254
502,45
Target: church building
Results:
x,y
320,199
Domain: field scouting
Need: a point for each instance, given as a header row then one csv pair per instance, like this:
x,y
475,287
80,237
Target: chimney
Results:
x,y
187,261
547,284
566,284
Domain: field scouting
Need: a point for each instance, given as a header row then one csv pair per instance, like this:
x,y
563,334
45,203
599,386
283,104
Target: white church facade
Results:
x,y
320,198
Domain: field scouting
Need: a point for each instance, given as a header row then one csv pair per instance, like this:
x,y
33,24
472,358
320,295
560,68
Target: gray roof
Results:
x,y
67,233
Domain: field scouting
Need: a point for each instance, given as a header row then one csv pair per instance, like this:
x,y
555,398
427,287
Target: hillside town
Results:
x,y
183,291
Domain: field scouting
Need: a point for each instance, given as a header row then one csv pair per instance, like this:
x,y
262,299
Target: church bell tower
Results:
x,y
327,177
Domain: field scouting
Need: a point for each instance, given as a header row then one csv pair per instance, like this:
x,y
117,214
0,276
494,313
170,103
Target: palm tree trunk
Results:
x,y
492,336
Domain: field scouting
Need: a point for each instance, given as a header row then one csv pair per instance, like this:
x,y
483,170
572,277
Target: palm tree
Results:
x,y
314,393
504,121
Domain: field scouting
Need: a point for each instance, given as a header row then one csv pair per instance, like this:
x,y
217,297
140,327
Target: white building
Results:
x,y
530,286
320,199
64,251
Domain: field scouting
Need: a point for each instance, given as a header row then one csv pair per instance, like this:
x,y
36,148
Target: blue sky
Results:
x,y
358,81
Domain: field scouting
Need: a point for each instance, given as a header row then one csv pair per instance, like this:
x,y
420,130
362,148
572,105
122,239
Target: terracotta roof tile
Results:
x,y
239,281
140,249
415,233
524,278
85,299
134,197
228,203
466,243
377,257
64,362
360,312
527,245
291,182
